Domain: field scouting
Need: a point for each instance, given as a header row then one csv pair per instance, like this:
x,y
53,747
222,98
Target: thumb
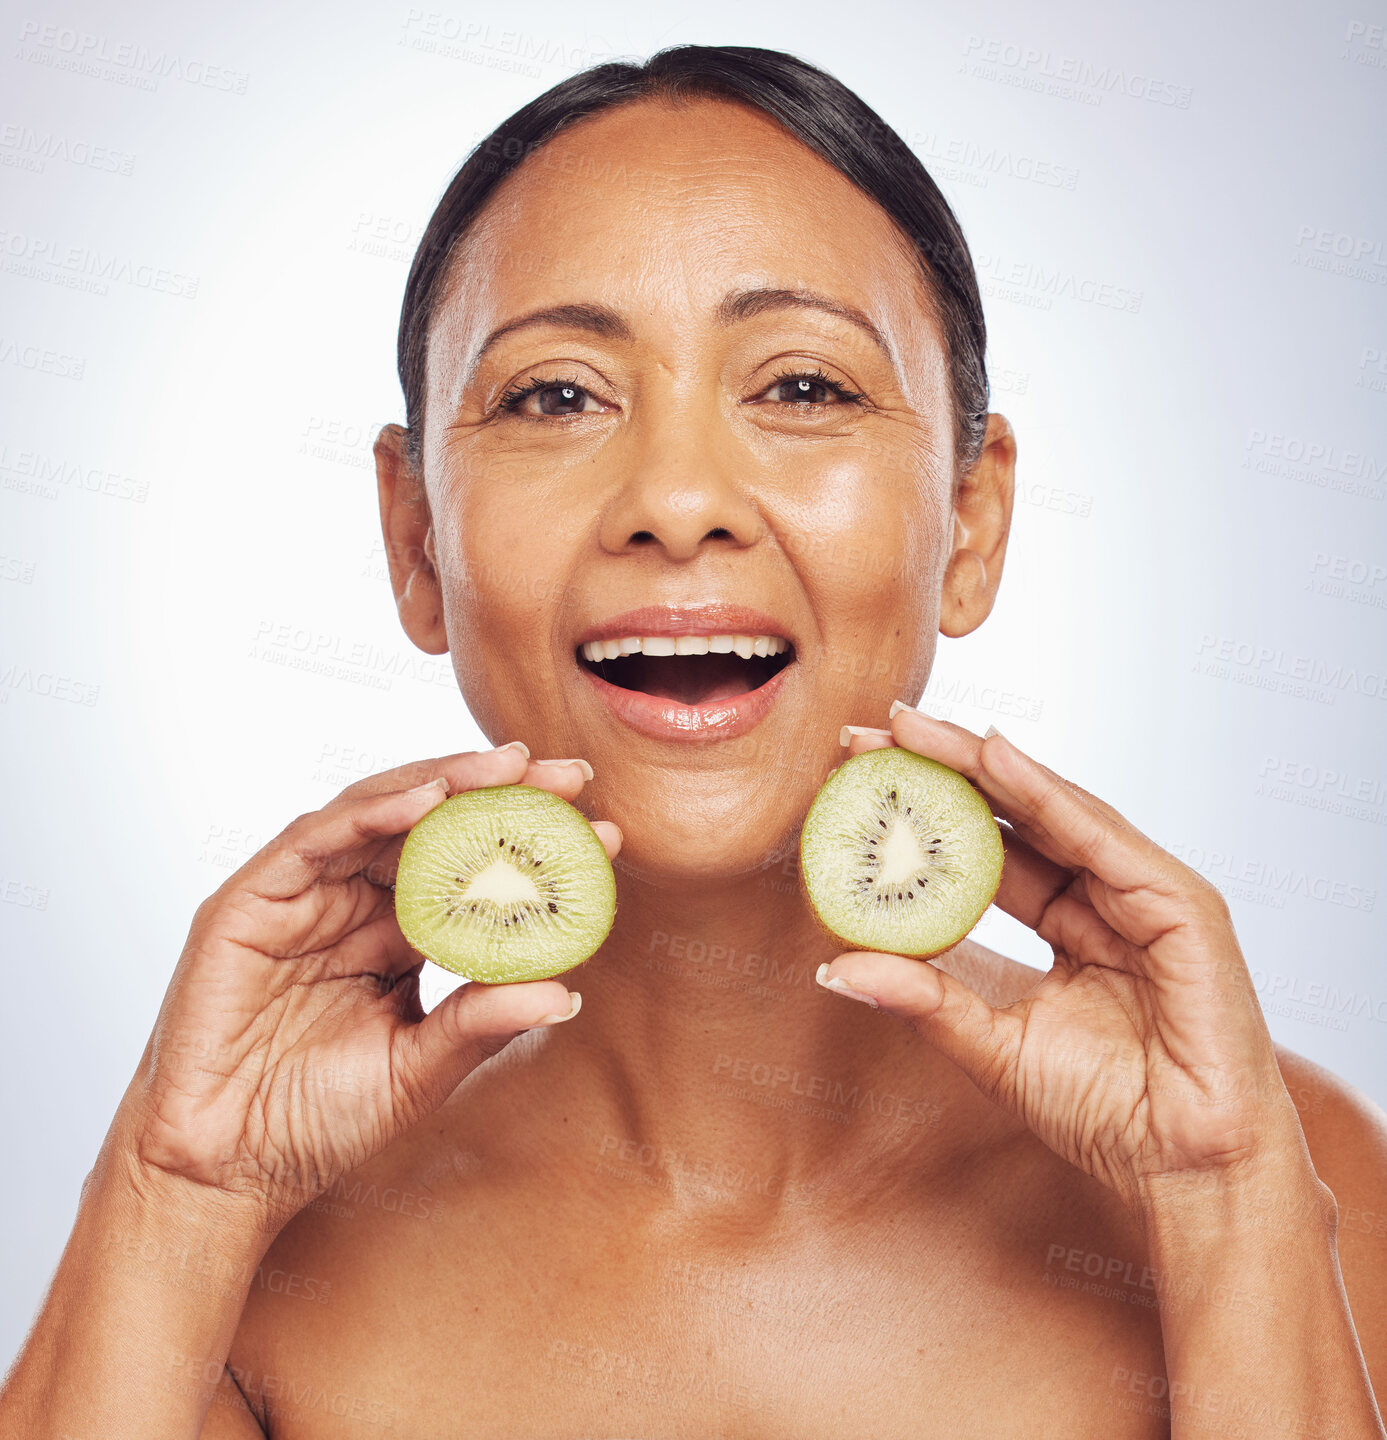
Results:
x,y
982,1041
473,1023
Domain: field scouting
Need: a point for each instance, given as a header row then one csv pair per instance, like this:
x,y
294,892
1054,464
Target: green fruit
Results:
x,y
505,884
899,853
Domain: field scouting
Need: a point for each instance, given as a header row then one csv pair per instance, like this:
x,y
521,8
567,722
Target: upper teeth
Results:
x,y
744,645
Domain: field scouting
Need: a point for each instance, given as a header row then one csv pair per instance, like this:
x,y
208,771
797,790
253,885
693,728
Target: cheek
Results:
x,y
868,537
505,584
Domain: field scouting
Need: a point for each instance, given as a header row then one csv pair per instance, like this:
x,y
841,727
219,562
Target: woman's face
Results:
x,y
700,454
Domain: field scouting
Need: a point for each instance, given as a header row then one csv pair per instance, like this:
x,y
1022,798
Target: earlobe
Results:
x,y
982,523
407,530
966,600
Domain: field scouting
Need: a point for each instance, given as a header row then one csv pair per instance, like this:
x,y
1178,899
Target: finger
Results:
x,y
434,1056
376,948
1073,827
609,833
858,738
335,842
1030,878
941,740
466,770
982,1041
1061,821
960,750
564,778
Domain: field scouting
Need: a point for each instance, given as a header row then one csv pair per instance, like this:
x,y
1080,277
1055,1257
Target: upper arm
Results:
x,y
1346,1133
228,1416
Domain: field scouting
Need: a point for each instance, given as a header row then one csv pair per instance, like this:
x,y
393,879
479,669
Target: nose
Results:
x,y
681,493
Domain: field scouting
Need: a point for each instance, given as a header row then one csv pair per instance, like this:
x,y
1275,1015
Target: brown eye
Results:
x,y
560,399
552,398
803,389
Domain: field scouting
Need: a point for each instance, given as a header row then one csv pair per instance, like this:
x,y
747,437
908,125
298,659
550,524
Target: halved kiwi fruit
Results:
x,y
505,884
899,853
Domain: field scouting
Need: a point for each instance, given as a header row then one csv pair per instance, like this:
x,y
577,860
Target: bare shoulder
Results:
x,y
1346,1133
1345,1129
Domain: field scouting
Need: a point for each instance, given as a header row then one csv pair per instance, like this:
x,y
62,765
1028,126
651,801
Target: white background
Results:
x,y
188,510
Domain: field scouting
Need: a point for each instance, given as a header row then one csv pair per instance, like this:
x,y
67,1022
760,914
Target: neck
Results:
x,y
706,1048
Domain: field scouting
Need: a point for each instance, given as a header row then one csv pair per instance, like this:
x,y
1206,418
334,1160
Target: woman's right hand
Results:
x,y
291,1045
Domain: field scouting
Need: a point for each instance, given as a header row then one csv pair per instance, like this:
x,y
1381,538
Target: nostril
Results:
x,y
641,537
719,534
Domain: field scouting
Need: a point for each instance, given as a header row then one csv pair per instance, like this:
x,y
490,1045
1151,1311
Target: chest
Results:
x,y
513,1329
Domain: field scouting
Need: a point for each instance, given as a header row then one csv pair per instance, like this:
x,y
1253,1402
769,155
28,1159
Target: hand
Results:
x,y
291,1045
1143,1052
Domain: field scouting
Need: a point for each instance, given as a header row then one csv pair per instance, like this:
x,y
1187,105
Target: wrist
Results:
x,y
1270,1195
147,1201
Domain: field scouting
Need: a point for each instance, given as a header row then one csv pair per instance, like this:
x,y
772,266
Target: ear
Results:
x,y
982,522
407,527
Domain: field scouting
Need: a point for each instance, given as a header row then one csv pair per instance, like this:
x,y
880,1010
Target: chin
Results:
x,y
685,836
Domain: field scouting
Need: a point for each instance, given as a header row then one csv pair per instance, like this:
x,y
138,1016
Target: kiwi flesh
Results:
x,y
505,884
899,853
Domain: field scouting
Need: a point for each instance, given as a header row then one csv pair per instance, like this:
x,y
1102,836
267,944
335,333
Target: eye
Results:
x,y
556,398
808,389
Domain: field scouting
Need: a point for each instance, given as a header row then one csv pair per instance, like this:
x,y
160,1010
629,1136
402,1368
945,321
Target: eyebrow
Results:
x,y
736,306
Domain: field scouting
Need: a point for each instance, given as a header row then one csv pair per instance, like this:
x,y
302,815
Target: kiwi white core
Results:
x,y
899,853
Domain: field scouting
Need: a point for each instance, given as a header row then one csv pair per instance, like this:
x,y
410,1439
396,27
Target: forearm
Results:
x,y
139,1317
1259,1339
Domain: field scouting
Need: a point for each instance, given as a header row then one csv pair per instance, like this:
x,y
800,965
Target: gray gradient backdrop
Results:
x,y
204,234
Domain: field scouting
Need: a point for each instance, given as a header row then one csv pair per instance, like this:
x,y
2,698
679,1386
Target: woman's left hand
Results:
x,y
1142,1054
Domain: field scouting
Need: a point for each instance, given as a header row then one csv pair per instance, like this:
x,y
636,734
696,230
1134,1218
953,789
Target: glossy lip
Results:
x,y
669,719
685,620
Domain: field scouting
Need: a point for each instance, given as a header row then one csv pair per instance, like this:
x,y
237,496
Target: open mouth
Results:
x,y
688,669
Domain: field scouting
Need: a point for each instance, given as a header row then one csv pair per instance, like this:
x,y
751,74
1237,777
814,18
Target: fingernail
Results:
x,y
516,745
575,1004
440,783
993,730
845,734
897,706
841,987
581,764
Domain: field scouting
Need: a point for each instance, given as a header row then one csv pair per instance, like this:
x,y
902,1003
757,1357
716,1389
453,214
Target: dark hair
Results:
x,y
818,109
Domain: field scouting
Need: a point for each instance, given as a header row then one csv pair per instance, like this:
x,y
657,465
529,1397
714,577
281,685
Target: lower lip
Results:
x,y
669,720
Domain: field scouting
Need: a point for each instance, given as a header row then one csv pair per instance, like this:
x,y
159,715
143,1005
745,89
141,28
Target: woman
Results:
x,y
689,349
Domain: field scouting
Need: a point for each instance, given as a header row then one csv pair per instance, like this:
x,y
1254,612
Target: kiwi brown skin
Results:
x,y
925,954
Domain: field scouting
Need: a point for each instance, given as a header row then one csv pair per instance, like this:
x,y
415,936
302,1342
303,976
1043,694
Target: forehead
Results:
x,y
659,210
